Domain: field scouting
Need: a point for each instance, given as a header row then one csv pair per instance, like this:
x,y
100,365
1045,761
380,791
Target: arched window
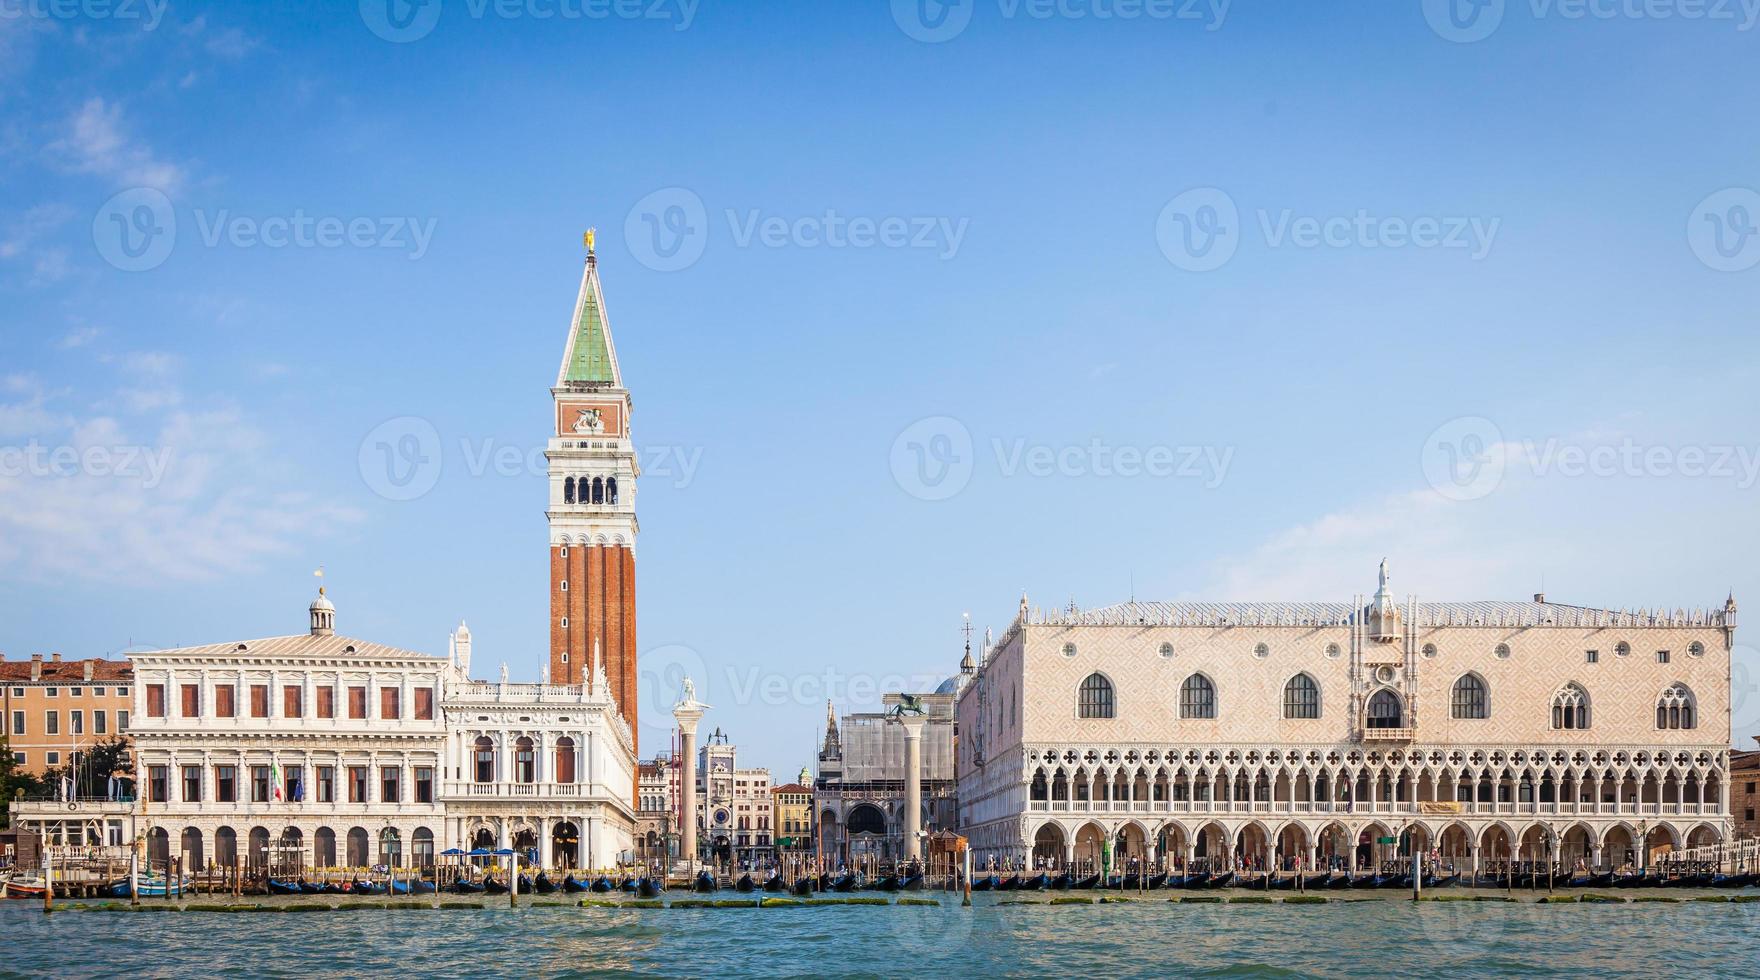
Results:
x,y
1301,697
598,490
1197,697
1468,700
564,760
1674,710
1385,711
1570,708
611,490
485,760
525,763
568,490
1094,699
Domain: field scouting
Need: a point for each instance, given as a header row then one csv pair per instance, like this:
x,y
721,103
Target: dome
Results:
x,y
949,686
322,603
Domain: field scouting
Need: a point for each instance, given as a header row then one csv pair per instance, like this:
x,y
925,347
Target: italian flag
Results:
x,y
274,780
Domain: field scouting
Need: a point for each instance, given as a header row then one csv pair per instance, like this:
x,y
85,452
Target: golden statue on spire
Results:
x,y
587,239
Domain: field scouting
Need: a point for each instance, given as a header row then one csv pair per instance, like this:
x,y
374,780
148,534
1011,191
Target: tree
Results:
x,y
14,781
91,767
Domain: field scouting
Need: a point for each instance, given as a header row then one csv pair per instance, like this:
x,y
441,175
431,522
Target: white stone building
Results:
x,y
735,808
546,769
312,750
1309,732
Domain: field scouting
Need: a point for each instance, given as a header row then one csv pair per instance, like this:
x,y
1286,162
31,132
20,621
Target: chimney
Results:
x,y
1539,597
36,667
88,666
54,658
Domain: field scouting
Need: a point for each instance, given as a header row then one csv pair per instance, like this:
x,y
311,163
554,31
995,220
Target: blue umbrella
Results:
x,y
451,852
480,852
504,852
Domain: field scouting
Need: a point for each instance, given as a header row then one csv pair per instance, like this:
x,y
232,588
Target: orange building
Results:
x,y
54,708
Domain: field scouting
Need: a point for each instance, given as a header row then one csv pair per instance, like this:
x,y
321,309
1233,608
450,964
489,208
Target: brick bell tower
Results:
x,y
592,512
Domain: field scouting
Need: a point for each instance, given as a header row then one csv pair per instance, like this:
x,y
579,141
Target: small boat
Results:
x,y
1602,880
844,882
493,886
286,887
629,884
1364,881
1316,881
1222,880
32,887
1062,882
887,884
360,887
774,883
911,883
1038,882
651,887
1692,881
1433,880
543,885
574,886
146,886
1393,881
1733,881
1086,883
1284,882
1156,880
803,886
330,888
422,886
985,883
1574,881
311,887
1131,882
1010,883
1176,881
1338,879
745,884
705,882
1197,879
396,887
465,886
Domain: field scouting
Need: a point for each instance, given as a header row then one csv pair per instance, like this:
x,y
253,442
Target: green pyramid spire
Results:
x,y
590,357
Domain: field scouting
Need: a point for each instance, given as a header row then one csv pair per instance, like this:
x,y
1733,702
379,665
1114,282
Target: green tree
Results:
x,y
14,781
91,767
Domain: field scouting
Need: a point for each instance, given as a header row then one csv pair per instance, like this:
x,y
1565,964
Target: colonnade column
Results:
x,y
913,785
688,712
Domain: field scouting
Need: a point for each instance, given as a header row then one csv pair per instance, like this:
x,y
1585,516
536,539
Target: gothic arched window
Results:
x,y
1468,700
1094,698
1385,711
1570,708
1301,697
1197,697
1674,710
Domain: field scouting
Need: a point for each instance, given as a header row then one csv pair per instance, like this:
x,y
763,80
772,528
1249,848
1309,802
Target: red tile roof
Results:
x,y
66,671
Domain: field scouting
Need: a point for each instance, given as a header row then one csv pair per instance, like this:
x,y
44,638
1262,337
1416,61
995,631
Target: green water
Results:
x,y
1368,937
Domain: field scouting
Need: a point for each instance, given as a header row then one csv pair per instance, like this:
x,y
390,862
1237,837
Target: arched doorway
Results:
x,y
1130,848
1456,848
324,848
226,847
1494,847
256,854
390,848
1252,847
1619,849
1210,848
1292,847
1333,846
158,848
1048,847
1659,842
1170,846
1576,847
422,847
192,849
830,834
1088,842
565,845
525,841
358,844
288,855
867,831
483,840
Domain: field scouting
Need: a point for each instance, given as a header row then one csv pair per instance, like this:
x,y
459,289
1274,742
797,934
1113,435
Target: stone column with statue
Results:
x,y
688,712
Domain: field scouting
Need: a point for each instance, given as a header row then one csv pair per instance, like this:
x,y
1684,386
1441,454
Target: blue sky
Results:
x,y
1285,257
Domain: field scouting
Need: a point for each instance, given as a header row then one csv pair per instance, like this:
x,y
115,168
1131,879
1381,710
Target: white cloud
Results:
x,y
97,141
78,337
32,225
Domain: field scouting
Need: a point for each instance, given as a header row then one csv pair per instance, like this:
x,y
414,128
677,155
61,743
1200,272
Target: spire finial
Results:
x,y
587,240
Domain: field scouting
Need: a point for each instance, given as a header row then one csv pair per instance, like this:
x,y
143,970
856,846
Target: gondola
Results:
x,y
845,882
1363,881
330,888
1156,881
705,882
1131,882
1574,881
1338,879
600,885
1284,882
911,883
572,885
285,887
1086,883
986,883
1393,881
1063,882
774,883
1037,882
1433,880
745,884
1009,884
494,887
628,884
803,886
1195,880
1691,881
465,886
543,885
1733,881
310,887
650,887
360,887
1220,880
1602,880
396,887
422,886
889,883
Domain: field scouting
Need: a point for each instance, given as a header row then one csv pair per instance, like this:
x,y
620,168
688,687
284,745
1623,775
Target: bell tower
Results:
x,y
592,511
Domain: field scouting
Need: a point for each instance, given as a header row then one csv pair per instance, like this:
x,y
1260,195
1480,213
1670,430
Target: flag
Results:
x,y
274,780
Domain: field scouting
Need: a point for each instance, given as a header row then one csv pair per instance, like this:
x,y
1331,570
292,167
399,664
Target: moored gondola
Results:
x,y
1156,880
1131,882
774,883
311,887
360,887
1038,882
494,886
1363,881
1338,879
1220,880
603,884
628,884
1434,880
888,883
465,886
985,883
1009,884
543,885
285,887
1284,882
1086,883
1393,881
574,886
1733,881
911,883
422,886
650,887
705,882
744,884
1197,879
803,885
845,882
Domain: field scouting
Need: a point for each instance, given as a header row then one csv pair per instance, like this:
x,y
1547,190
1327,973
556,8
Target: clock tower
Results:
x,y
592,512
